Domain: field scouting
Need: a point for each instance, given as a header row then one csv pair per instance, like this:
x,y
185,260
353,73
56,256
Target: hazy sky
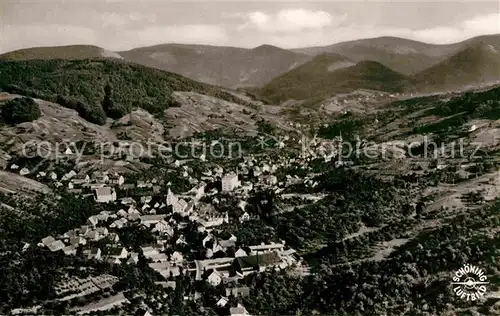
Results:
x,y
122,25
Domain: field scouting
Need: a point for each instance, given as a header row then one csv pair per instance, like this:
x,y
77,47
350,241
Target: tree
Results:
x,y
20,110
107,103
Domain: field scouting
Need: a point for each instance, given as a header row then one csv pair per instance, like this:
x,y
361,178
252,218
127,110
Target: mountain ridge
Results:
x,y
476,64
235,67
322,77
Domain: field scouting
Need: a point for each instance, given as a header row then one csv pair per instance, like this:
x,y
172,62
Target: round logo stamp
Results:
x,y
470,282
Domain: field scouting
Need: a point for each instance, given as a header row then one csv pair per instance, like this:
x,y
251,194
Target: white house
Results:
x,y
269,179
80,179
69,250
132,210
163,227
53,176
242,205
119,223
230,182
24,171
148,251
240,253
56,246
146,199
134,258
105,195
213,219
198,190
47,241
244,217
263,248
92,221
222,302
69,175
177,258
238,311
180,207
121,213
51,243
171,198
215,278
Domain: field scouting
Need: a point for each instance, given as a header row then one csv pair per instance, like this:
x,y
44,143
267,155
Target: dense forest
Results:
x,y
19,110
85,85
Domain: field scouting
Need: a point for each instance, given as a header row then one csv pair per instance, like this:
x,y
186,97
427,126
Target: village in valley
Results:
x,y
197,232
187,232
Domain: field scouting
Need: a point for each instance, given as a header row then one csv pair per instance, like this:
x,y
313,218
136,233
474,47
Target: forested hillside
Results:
x,y
83,84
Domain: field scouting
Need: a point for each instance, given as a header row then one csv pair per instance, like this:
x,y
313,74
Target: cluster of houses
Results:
x,y
243,261
165,216
74,286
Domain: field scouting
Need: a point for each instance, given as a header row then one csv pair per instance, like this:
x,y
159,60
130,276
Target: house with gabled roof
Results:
x,y
69,250
238,311
134,258
179,206
104,195
80,179
256,263
56,246
222,302
121,213
198,190
119,223
262,248
240,253
100,177
164,228
92,221
148,220
116,179
47,241
177,258
133,210
113,260
230,182
244,217
117,252
214,278
127,201
241,291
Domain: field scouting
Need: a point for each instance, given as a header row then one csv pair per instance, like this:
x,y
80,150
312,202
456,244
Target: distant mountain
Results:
x,y
406,56
234,67
60,52
328,74
476,64
224,66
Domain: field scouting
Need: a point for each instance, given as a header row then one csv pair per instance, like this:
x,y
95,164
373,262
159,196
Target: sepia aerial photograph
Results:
x,y
250,158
